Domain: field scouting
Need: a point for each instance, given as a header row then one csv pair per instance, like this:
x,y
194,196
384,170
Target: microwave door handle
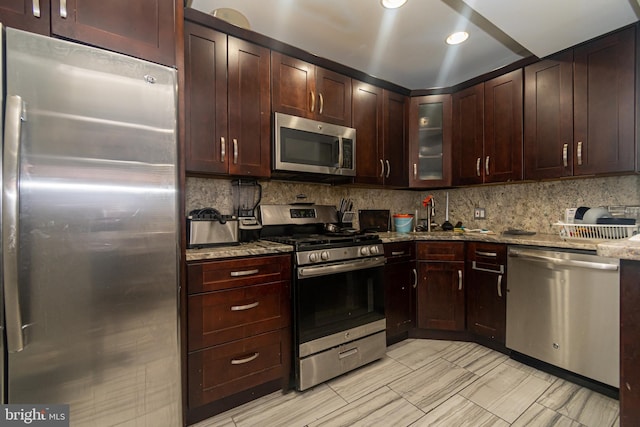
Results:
x,y
340,153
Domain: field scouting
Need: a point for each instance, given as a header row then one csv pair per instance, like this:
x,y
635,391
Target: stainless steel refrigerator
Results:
x,y
90,233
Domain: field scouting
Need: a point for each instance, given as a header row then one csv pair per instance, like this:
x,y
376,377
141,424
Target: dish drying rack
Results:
x,y
596,231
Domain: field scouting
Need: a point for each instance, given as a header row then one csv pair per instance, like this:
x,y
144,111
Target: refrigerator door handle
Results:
x,y
10,217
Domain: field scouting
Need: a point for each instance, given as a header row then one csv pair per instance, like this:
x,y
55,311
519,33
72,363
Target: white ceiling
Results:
x,y
406,46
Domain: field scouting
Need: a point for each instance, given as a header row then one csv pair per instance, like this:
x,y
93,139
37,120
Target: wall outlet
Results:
x,y
479,213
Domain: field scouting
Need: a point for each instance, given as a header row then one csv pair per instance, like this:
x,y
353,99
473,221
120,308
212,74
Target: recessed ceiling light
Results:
x,y
393,4
457,38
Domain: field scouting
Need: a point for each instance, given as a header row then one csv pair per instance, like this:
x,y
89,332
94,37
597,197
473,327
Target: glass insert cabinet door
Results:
x,y
430,141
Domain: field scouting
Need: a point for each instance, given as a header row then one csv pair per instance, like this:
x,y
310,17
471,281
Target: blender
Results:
x,y
247,194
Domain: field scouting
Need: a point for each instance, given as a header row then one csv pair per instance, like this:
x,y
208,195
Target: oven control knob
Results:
x,y
313,257
374,249
324,255
364,251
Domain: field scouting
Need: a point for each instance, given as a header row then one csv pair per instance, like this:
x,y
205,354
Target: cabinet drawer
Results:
x,y
440,251
230,368
399,251
217,275
487,256
218,317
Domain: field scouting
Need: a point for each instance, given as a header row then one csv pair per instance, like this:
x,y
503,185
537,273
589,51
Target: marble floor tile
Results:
x,y
581,404
530,370
541,416
506,391
418,353
362,381
293,409
431,385
383,407
460,412
474,357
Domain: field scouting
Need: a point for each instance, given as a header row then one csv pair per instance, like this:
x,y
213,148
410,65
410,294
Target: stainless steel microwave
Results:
x,y
304,145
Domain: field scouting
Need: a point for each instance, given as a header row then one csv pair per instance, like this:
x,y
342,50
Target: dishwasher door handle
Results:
x,y
532,256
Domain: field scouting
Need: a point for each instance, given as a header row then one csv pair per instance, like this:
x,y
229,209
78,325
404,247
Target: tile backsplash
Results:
x,y
533,206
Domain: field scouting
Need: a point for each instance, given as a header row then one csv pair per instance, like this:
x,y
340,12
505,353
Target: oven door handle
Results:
x,y
324,270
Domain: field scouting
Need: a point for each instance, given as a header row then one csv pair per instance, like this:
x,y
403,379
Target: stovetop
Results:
x,y
319,241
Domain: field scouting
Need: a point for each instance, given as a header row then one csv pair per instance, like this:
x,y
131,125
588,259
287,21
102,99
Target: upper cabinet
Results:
x,y
430,141
144,28
379,117
580,110
227,99
487,131
302,89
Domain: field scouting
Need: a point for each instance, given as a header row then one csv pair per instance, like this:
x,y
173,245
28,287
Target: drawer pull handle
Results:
x,y
486,166
491,254
397,253
321,103
478,166
475,267
347,353
381,168
500,285
313,101
244,273
245,307
223,150
415,278
235,151
388,168
251,358
565,155
459,280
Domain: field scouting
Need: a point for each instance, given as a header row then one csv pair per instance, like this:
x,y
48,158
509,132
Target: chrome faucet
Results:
x,y
430,203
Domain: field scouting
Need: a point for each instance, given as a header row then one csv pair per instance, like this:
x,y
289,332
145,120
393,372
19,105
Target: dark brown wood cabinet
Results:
x,y
440,292
499,157
144,28
305,90
604,104
430,141
400,283
486,282
227,104
580,110
238,336
548,117
379,117
629,343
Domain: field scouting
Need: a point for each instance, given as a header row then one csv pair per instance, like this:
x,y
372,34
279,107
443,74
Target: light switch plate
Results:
x,y
479,213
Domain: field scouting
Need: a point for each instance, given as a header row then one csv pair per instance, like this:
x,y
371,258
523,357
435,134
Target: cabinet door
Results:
x,y
333,97
206,100
430,141
141,28
441,296
503,128
629,343
486,282
28,15
399,279
604,101
368,122
468,135
548,117
293,86
395,139
249,87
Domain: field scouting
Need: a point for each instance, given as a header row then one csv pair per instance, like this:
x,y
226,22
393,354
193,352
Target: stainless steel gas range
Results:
x,y
338,295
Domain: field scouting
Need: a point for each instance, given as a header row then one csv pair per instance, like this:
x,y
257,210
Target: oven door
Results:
x,y
333,298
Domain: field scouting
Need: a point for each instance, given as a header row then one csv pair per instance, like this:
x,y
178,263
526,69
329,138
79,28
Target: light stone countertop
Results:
x,y
623,249
261,247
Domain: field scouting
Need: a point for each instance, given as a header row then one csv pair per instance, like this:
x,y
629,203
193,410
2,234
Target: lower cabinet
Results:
x,y
400,282
238,333
486,281
440,292
629,343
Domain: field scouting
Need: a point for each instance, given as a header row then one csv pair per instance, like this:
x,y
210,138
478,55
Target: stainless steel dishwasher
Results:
x,y
563,308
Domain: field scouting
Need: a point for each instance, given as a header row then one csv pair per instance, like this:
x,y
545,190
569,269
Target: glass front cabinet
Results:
x,y
430,141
